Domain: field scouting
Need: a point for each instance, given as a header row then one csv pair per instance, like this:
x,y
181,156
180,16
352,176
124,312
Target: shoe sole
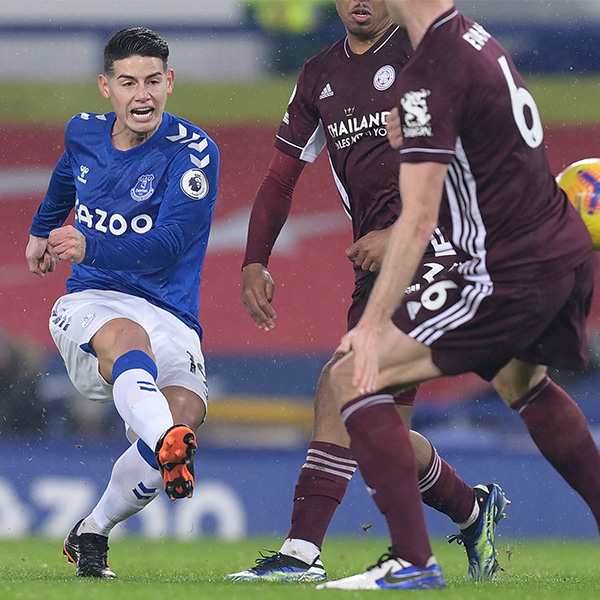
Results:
x,y
175,460
282,578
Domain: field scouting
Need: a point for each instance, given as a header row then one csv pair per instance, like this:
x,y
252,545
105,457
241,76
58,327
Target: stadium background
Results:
x,y
235,71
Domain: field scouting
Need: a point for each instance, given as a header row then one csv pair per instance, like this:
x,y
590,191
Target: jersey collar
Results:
x,y
110,120
381,42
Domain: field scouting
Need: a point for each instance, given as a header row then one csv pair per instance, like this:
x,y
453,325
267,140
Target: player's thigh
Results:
x,y
179,356
516,379
403,364
74,320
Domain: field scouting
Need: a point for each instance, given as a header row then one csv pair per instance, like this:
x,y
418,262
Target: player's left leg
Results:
x,y
381,445
134,482
556,425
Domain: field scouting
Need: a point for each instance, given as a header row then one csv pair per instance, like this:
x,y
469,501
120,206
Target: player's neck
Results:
x,y
420,18
362,45
125,139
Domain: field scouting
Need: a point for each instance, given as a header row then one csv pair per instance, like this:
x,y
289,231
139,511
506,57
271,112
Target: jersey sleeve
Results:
x,y
271,207
58,201
301,133
431,103
185,213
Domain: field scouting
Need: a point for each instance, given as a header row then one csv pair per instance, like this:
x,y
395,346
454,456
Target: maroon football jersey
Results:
x,y
463,103
341,102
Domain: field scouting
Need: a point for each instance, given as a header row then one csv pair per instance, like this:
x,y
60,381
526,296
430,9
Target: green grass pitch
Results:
x,y
568,100
34,569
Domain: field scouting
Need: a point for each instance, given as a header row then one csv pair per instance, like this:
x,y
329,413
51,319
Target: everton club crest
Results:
x,y
143,189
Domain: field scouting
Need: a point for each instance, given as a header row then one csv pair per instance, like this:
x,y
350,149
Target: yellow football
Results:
x,y
581,183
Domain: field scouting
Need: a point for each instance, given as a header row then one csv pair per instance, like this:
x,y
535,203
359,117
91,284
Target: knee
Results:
x,y
117,337
513,388
324,385
340,381
185,406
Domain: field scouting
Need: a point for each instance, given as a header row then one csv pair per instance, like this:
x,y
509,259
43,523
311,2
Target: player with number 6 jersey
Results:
x,y
500,187
472,153
504,209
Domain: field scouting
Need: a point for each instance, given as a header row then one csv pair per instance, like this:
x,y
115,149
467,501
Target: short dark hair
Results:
x,y
134,41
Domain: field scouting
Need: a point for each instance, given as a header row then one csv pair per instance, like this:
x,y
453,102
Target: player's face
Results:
x,y
364,19
138,92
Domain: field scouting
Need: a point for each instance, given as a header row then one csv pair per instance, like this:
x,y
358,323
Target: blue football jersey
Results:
x,y
146,212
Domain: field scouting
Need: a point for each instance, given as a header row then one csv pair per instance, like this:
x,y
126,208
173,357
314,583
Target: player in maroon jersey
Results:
x,y
340,103
473,154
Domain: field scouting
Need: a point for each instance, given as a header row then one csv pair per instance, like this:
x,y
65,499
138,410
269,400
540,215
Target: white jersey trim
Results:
x,y
468,229
313,146
426,150
389,37
445,20
456,315
341,189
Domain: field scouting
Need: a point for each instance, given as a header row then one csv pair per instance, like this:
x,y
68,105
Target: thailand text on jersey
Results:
x,y
463,103
145,212
341,102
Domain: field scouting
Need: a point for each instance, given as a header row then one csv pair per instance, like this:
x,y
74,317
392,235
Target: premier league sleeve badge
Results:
x,y
194,184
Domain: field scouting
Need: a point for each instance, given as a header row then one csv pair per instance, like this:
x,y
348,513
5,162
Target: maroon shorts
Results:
x,y
480,328
431,269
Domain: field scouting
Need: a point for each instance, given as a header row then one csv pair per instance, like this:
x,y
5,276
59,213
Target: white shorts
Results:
x,y
78,316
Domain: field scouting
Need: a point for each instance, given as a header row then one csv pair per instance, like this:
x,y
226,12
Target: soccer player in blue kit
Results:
x,y
142,184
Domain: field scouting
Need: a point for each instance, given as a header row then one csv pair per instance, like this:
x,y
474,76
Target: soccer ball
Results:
x,y
581,183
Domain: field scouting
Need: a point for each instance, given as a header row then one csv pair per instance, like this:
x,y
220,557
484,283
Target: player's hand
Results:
x,y
68,243
394,128
368,251
363,342
257,295
40,257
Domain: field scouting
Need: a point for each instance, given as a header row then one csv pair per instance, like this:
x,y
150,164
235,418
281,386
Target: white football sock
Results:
x,y
301,549
133,485
141,405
